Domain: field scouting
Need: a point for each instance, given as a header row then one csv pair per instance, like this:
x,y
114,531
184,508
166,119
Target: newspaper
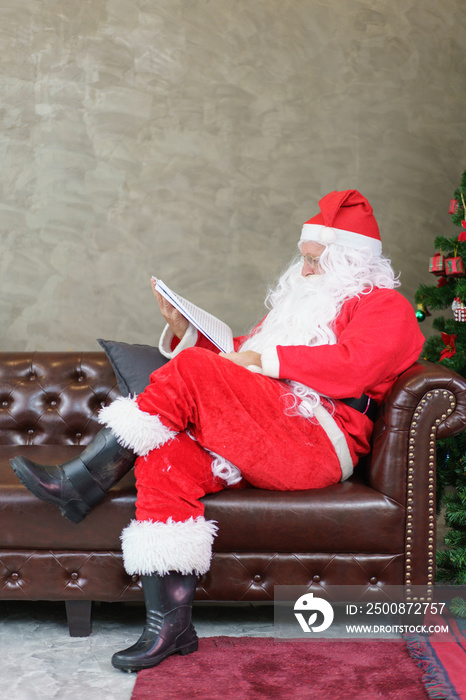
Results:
x,y
215,330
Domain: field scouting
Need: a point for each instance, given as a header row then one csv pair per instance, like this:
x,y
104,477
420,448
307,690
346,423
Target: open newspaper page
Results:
x,y
215,330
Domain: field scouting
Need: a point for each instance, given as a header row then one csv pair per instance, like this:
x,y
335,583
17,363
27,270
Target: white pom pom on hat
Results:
x,y
345,218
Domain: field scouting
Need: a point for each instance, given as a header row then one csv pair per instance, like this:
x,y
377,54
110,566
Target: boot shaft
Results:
x,y
106,460
166,593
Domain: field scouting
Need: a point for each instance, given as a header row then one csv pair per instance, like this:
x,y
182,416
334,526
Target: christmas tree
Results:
x,y
448,348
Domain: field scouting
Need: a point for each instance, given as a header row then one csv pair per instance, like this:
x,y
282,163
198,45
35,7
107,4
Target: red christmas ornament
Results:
x,y
442,281
450,349
462,236
454,266
437,264
454,206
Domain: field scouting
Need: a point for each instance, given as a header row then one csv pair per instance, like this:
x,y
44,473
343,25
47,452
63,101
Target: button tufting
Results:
x,y
257,578
15,576
74,576
373,580
80,378
32,377
5,404
134,578
316,578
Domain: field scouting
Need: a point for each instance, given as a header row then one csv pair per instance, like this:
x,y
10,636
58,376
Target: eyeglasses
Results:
x,y
310,260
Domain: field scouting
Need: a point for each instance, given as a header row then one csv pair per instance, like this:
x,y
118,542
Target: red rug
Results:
x,y
250,668
442,658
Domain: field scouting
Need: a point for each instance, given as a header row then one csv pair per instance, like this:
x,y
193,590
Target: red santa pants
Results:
x,y
242,416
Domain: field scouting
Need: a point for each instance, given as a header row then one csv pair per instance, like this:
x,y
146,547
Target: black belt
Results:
x,y
364,405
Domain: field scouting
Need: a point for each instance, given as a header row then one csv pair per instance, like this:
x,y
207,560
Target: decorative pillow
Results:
x,y
132,364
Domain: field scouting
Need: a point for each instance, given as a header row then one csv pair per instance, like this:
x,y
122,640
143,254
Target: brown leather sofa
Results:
x,y
375,530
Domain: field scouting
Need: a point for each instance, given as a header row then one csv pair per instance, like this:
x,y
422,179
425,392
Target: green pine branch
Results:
x,y
451,452
458,607
436,298
460,197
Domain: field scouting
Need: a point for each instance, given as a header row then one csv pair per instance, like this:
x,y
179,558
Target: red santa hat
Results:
x,y
345,218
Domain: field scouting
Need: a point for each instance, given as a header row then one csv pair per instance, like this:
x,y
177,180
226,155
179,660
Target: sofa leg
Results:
x,y
78,614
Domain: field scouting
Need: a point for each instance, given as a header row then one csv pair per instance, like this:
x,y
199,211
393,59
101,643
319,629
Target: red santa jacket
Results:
x,y
378,337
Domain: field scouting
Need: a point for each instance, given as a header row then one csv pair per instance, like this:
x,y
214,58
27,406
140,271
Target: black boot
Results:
x,y
168,629
80,484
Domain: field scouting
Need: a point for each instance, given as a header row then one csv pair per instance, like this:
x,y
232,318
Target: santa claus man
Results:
x,y
290,409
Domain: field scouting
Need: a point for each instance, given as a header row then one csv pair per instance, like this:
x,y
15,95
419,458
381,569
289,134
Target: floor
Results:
x,y
40,661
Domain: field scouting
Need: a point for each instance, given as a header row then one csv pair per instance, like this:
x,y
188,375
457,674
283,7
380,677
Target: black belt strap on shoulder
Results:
x,y
364,405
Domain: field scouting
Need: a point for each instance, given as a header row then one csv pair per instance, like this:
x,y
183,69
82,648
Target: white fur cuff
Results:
x,y
270,362
157,548
189,340
133,428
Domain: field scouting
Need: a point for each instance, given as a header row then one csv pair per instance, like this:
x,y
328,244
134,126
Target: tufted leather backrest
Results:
x,y
53,397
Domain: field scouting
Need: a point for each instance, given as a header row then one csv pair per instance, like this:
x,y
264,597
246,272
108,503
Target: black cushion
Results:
x,y
132,363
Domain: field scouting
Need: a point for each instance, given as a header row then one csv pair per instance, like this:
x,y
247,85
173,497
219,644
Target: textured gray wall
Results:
x,y
191,139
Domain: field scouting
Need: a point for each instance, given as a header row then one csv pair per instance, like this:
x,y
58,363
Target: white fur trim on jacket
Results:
x,y
189,340
133,428
157,548
338,440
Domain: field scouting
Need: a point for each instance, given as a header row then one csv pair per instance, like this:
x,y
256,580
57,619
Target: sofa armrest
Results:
x,y
426,403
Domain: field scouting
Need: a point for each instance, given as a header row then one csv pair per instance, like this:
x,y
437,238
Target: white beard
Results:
x,y
302,314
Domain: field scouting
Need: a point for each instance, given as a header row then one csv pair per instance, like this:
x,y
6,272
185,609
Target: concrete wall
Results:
x,y
191,139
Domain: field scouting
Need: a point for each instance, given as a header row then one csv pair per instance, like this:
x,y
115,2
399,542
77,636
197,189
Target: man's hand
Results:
x,y
245,359
177,322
